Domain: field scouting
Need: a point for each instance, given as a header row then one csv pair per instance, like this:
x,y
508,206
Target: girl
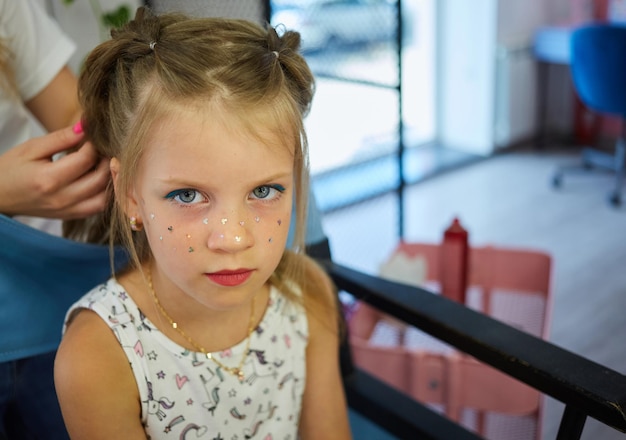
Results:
x,y
214,328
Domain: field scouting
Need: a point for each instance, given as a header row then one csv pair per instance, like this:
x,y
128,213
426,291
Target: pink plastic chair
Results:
x,y
511,285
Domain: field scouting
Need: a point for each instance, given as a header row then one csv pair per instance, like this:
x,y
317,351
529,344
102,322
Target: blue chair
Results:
x,y
598,68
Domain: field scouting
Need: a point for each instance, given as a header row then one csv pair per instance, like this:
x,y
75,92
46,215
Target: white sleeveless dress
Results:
x,y
184,395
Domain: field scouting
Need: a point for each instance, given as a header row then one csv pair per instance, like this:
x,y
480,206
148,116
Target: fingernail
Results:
x,y
78,127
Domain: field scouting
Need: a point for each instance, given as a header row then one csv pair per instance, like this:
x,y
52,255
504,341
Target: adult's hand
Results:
x,y
72,187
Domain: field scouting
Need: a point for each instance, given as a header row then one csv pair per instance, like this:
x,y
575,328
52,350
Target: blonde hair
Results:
x,y
156,64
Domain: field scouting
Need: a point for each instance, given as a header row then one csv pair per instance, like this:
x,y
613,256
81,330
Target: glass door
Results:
x,y
352,48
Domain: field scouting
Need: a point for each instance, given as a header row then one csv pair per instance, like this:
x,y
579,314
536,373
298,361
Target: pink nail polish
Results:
x,y
78,127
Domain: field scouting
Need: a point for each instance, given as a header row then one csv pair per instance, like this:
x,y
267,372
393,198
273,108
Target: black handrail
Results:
x,y
585,387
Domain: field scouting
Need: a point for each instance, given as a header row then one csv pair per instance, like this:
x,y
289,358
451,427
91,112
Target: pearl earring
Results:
x,y
135,225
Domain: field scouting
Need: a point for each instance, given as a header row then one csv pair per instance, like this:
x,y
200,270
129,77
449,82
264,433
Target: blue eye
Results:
x,y
266,191
185,196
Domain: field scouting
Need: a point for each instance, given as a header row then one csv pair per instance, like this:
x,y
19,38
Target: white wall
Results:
x,y
483,102
515,117
467,41
518,20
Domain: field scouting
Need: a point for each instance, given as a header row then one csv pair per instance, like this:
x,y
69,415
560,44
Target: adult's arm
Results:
x,y
56,106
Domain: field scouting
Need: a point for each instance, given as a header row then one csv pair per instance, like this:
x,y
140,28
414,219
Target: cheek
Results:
x,y
167,234
275,227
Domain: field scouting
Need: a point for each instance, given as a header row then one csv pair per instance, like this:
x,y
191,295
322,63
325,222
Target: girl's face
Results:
x,y
216,204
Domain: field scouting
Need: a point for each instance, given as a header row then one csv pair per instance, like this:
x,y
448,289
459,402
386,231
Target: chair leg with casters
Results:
x,y
615,198
593,159
590,159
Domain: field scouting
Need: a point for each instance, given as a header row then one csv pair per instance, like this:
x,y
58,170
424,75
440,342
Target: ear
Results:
x,y
128,201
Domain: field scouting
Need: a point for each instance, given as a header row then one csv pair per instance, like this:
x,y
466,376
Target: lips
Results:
x,y
230,277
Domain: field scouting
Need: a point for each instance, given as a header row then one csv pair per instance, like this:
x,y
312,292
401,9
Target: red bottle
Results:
x,y
454,262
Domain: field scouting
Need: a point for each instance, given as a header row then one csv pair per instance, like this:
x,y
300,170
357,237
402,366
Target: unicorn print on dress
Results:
x,y
211,389
260,366
155,406
261,415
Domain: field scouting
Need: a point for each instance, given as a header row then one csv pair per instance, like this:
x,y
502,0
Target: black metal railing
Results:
x,y
587,389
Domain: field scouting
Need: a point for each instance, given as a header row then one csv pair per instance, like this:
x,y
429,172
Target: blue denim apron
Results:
x,y
40,277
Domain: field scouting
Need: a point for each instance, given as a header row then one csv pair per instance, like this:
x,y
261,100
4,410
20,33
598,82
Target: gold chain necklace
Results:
x,y
235,371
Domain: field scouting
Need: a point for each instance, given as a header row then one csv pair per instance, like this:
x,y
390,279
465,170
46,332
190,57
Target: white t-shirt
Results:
x,y
39,51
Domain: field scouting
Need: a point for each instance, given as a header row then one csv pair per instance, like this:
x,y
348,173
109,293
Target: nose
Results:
x,y
230,235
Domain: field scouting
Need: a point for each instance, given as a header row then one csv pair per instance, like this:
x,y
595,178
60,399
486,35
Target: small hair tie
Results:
x,y
152,44
275,54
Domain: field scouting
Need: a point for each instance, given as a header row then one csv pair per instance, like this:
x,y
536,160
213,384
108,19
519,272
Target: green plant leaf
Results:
x,y
117,18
